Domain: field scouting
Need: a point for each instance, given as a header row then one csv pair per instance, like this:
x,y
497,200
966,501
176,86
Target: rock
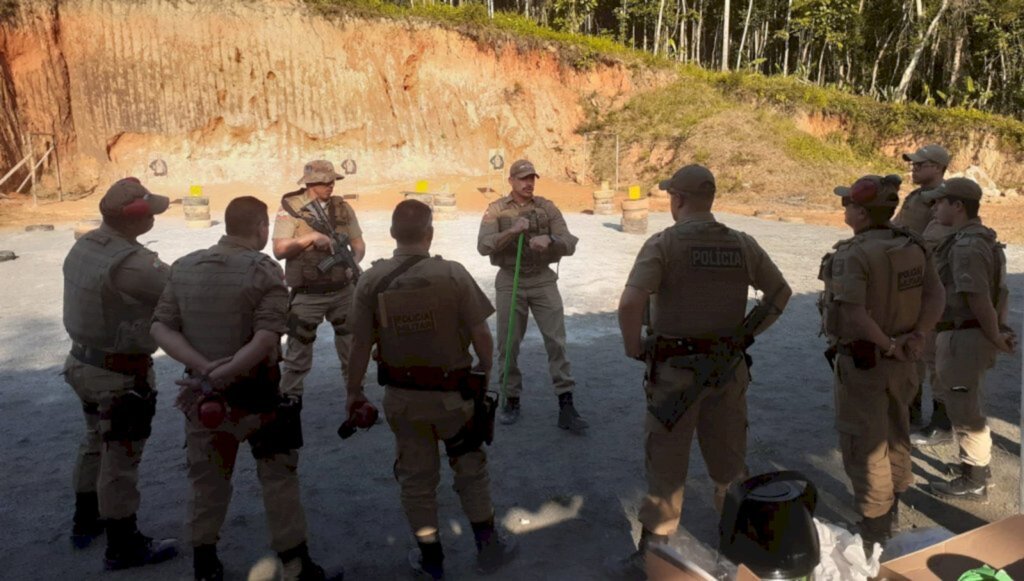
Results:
x,y
6,255
792,219
764,214
981,176
39,227
1011,193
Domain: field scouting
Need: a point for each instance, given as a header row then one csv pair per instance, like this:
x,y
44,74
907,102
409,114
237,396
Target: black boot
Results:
x,y
633,566
427,561
87,523
298,566
568,417
876,530
509,413
940,418
493,550
916,417
206,565
972,484
127,547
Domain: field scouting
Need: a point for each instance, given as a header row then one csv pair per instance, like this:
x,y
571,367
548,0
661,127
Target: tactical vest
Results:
x,y
301,271
896,270
540,225
216,295
956,307
703,292
418,318
96,314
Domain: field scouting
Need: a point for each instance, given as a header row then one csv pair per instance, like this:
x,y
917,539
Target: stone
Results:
x,y
6,255
39,228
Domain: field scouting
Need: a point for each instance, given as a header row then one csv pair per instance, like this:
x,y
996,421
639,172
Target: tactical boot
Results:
x,y
633,566
931,435
87,523
206,565
509,413
127,547
568,417
916,416
298,566
940,418
493,549
876,530
427,561
972,484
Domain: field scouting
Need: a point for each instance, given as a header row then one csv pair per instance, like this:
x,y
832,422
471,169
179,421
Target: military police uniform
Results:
x,y
111,285
218,299
537,290
316,294
698,273
421,317
883,268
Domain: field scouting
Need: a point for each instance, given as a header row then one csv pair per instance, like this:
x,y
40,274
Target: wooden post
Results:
x,y
32,171
56,163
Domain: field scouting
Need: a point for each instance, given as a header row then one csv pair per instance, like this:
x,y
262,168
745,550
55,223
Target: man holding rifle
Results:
x,y
318,236
695,277
423,313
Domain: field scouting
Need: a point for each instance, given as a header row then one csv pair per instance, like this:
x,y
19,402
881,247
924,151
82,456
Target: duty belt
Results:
x,y
319,289
666,347
422,378
954,326
125,363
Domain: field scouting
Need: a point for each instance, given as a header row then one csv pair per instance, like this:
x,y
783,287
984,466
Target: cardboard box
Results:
x,y
999,545
663,563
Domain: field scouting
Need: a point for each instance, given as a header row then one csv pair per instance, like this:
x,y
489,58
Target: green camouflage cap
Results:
x,y
958,188
319,171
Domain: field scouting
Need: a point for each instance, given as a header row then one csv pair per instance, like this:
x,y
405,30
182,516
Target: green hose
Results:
x,y
512,318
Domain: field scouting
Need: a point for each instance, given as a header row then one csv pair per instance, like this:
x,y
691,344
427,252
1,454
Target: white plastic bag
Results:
x,y
842,555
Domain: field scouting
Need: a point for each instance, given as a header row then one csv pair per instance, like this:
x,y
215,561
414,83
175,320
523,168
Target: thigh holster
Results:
x,y
302,331
282,434
130,417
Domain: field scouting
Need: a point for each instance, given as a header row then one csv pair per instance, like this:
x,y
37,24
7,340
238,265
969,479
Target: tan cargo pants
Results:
x,y
111,469
873,420
306,313
211,462
546,303
719,417
962,359
420,420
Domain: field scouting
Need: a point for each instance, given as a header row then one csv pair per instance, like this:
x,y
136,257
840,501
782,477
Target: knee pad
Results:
x,y
302,331
130,417
283,433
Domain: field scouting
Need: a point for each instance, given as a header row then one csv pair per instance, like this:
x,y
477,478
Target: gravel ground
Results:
x,y
572,500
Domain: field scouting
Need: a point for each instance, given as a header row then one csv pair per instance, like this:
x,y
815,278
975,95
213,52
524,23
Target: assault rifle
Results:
x,y
341,249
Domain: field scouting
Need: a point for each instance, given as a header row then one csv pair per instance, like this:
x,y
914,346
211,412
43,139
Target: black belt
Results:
x,y
320,289
423,378
126,363
954,326
666,347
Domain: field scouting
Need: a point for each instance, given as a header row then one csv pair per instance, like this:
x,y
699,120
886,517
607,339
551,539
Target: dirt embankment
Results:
x,y
240,91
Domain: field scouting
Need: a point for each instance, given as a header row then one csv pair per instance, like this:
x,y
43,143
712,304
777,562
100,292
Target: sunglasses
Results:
x,y
921,164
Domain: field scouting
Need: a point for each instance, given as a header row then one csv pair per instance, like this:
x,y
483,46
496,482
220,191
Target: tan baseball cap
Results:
x,y
692,179
933,153
319,171
129,198
522,168
872,191
959,188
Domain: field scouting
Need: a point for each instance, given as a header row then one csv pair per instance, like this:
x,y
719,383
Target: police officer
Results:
x,y
972,330
547,240
927,170
111,285
882,294
222,315
302,238
695,277
424,313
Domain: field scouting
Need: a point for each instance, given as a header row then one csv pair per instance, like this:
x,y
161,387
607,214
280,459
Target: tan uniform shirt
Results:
x,y
288,226
534,270
425,316
301,270
714,302
967,264
916,215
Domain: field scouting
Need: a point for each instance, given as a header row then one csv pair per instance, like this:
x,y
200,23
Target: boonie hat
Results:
x,y
128,197
872,191
692,179
958,188
933,153
319,171
522,168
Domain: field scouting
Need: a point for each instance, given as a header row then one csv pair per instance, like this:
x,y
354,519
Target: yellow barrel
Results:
x,y
634,216
197,211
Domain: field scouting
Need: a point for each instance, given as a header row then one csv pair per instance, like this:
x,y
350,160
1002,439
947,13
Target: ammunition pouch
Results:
x,y
256,392
130,417
864,353
282,434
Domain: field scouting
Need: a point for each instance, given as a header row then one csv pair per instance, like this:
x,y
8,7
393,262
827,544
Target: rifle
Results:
x,y
341,250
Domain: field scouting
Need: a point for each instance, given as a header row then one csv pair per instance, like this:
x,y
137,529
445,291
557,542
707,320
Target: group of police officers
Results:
x,y
923,293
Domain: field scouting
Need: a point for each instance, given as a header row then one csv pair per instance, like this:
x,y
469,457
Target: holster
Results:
x,y
830,356
282,434
480,427
131,416
863,353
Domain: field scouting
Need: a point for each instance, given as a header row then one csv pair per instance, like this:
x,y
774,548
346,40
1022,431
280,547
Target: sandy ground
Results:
x,y
572,500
